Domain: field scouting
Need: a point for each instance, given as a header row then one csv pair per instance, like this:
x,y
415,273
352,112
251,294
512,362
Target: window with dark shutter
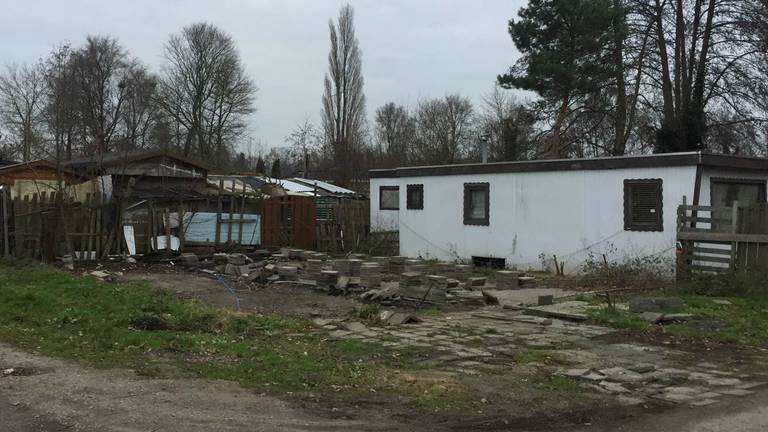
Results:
x,y
476,204
414,199
643,205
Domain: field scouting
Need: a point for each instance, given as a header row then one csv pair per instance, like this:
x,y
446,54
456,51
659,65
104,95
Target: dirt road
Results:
x,y
747,414
59,395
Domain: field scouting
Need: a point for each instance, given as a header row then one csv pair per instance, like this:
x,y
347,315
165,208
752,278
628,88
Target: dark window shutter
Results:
x,y
643,205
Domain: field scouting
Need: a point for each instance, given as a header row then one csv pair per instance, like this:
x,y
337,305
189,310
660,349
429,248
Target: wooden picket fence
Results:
x,y
722,239
46,224
345,226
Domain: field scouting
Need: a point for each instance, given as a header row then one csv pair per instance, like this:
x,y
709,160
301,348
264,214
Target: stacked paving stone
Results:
x,y
354,266
415,265
288,273
341,266
397,264
436,289
411,284
312,269
462,272
370,274
328,279
475,283
382,261
507,279
446,269
295,254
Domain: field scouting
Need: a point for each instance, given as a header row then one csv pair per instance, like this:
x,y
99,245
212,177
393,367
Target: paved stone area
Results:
x,y
492,340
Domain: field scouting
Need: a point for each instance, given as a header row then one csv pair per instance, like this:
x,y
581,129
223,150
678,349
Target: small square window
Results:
x,y
389,198
643,205
414,199
476,204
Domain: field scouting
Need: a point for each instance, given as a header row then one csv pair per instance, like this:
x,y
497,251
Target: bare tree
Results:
x,y
445,130
22,94
305,144
100,69
394,131
508,126
140,111
343,98
705,62
61,105
205,91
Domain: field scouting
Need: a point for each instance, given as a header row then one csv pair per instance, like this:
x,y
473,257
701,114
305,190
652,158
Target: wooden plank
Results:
x,y
706,258
696,207
697,267
704,250
705,236
217,239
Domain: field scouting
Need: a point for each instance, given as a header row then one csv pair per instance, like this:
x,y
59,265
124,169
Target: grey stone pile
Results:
x,y
397,264
312,269
354,266
288,273
415,265
462,272
370,274
507,279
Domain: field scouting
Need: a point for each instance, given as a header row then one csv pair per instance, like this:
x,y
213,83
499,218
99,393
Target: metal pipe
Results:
x,y
6,246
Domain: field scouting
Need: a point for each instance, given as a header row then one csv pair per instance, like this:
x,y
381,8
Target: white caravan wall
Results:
x,y
566,213
384,220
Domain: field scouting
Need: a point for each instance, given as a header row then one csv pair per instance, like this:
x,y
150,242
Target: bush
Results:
x,y
653,271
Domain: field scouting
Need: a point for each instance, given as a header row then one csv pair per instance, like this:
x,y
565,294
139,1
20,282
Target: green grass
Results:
x,y
546,357
136,326
618,319
744,322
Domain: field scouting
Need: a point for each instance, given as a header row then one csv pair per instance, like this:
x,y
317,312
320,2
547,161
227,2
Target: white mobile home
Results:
x,y
519,212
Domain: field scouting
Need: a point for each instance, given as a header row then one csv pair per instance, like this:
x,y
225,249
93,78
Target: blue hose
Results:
x,y
231,291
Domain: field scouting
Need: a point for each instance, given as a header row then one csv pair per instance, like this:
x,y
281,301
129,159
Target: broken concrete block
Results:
x,y
220,258
507,279
655,304
403,318
476,282
99,274
290,273
545,300
232,270
355,326
237,259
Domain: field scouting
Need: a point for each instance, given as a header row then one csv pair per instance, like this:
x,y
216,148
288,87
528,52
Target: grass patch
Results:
x,y
743,322
550,358
135,326
617,319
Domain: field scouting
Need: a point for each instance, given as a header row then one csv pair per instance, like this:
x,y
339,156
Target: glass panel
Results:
x,y
477,204
390,198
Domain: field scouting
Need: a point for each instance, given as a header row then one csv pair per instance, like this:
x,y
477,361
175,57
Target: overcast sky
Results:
x,y
412,49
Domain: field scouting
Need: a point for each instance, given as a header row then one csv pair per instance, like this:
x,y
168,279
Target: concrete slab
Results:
x,y
525,296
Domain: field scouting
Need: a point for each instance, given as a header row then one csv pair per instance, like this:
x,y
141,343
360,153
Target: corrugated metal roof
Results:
x,y
328,187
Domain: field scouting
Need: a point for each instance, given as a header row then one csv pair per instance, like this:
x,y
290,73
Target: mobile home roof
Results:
x,y
600,163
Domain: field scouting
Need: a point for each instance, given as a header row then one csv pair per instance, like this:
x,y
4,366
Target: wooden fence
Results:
x,y
722,239
344,227
45,225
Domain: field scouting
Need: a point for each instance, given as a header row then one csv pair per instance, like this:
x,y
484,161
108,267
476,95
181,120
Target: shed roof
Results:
x,y
325,186
31,166
114,159
599,163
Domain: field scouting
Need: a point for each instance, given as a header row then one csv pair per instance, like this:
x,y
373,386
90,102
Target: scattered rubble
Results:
x,y
655,304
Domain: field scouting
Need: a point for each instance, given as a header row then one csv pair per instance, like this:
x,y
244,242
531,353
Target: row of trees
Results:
x,y
618,76
612,77
97,98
